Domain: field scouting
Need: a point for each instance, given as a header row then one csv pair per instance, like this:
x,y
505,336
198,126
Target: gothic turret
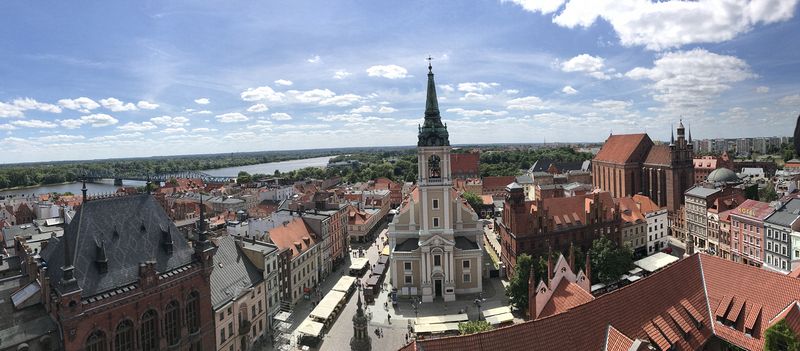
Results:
x,y
360,340
432,132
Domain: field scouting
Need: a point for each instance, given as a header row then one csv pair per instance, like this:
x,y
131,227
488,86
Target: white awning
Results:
x,y
310,328
358,263
435,328
655,261
327,305
500,318
495,311
283,316
450,318
344,284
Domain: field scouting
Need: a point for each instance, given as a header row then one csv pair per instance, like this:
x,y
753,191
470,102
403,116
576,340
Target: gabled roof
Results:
x,y
655,309
233,272
659,155
295,235
646,203
465,162
131,229
753,209
616,341
497,182
620,148
566,295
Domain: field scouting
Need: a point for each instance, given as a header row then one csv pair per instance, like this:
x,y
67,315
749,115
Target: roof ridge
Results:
x,y
705,293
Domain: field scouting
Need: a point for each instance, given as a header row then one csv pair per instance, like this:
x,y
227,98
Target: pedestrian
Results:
x,y
389,317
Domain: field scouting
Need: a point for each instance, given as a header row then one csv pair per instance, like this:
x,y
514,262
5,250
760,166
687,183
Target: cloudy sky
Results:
x,y
81,80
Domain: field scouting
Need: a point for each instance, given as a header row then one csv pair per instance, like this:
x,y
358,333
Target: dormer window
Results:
x,y
434,168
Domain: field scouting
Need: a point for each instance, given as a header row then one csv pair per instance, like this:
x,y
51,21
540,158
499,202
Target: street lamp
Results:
x,y
415,305
478,303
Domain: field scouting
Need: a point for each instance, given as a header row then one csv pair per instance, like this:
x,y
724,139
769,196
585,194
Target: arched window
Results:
x,y
123,340
149,331
171,323
193,312
96,341
434,168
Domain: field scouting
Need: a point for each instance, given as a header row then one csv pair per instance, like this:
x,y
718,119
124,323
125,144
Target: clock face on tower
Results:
x,y
434,168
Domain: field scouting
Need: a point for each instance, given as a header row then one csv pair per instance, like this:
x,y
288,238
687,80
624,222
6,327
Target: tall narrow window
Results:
x,y
192,312
149,331
123,340
436,222
435,204
437,260
171,323
96,341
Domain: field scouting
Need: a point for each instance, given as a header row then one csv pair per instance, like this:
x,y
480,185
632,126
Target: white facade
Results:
x,y
656,231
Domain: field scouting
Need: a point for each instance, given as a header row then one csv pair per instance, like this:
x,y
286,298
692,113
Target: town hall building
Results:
x,y
435,238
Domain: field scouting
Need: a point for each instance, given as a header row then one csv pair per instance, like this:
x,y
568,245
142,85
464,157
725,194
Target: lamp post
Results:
x,y
478,303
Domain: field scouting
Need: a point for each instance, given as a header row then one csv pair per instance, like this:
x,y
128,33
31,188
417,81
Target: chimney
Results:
x,y
588,270
101,260
549,265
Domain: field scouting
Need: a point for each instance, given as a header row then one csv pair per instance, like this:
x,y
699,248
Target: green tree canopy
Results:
x,y
517,289
609,261
474,200
780,337
243,178
473,327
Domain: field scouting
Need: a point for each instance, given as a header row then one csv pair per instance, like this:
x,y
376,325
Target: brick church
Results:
x,y
630,164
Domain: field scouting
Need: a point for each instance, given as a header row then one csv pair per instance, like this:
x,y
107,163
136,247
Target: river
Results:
x,y
107,185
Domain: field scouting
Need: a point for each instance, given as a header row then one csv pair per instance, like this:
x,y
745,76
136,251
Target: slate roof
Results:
x,y
408,245
705,285
131,229
465,244
233,272
701,191
620,148
542,164
786,215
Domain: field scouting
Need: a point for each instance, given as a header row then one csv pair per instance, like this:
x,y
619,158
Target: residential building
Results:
x,y
657,225
778,238
704,165
266,257
630,164
123,277
361,223
724,248
747,232
465,165
496,185
545,164
534,227
238,291
634,225
304,260
718,193
718,305
436,239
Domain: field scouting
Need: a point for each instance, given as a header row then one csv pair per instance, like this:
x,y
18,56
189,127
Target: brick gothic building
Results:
x,y
631,164
124,278
533,227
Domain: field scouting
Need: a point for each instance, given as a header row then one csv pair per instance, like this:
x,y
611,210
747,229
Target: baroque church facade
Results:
x,y
435,239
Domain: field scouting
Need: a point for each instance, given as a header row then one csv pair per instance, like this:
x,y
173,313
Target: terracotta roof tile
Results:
x,y
567,295
622,147
616,341
497,182
295,236
722,308
465,163
659,155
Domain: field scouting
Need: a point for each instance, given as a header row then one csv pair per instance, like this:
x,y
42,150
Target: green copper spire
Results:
x,y
432,132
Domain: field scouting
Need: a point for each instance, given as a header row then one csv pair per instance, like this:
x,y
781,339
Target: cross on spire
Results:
x,y
430,68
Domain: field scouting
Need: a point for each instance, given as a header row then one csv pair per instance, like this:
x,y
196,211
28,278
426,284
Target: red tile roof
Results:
x,y
752,209
654,308
295,235
629,212
497,182
566,295
646,203
620,148
616,341
465,163
659,155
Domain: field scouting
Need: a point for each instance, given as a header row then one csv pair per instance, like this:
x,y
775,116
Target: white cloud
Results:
x,y
146,105
313,95
9,110
511,91
762,90
116,105
137,127
476,86
257,108
173,130
7,127
118,136
262,93
202,101
95,120
525,103
33,123
613,106
793,100
82,104
475,97
659,25
231,117
203,130
341,100
203,112
447,88
341,74
168,121
281,116
240,136
569,90
314,59
60,138
387,71
386,109
362,109
689,81
474,113
593,66
283,82
31,104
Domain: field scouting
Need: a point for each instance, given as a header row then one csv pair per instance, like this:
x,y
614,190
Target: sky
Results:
x,y
89,80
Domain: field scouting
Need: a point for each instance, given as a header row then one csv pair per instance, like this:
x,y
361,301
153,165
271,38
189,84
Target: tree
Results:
x,y
243,178
609,261
780,337
768,193
172,181
473,327
517,289
474,200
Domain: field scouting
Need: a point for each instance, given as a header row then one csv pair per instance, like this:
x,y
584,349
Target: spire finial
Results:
x,y
83,189
430,67
671,135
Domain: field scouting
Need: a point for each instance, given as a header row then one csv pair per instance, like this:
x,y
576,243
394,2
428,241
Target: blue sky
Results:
x,y
84,80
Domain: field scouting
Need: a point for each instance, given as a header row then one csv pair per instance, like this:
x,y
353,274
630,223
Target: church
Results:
x,y
435,239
